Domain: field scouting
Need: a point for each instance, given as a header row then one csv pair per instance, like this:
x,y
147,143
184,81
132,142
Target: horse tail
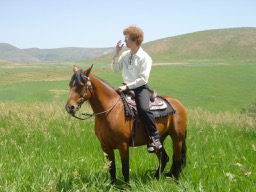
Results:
x,y
184,151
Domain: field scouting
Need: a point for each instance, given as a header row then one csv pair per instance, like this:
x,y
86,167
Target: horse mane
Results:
x,y
105,82
78,79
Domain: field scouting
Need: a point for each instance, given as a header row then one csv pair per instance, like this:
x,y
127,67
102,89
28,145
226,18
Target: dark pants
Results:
x,y
142,98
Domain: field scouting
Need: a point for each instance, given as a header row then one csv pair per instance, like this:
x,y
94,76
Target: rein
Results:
x,y
88,115
95,114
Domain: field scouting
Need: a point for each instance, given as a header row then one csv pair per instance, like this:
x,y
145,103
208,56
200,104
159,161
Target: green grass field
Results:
x,y
214,87
42,148
45,149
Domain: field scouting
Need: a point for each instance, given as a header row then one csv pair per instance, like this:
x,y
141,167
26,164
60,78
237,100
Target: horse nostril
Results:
x,y
70,108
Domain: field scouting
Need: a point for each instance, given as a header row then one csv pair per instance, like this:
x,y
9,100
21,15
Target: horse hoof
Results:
x,y
168,175
171,176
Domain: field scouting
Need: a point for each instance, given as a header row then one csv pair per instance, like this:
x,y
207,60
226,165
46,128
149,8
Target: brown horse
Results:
x,y
114,129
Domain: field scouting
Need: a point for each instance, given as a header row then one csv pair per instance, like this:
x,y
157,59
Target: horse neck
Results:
x,y
103,95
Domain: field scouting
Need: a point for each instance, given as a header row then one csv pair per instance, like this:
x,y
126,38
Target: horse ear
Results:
x,y
88,71
75,68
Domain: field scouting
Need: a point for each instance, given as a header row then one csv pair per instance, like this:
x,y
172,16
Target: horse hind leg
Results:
x,y
163,160
184,151
179,158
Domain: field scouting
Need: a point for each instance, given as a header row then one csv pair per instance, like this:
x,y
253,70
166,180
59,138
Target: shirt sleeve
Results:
x,y
116,63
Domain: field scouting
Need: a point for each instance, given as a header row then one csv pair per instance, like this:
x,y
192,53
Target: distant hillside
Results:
x,y
212,45
219,44
14,54
34,55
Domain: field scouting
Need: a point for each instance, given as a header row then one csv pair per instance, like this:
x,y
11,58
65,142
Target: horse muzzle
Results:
x,y
71,109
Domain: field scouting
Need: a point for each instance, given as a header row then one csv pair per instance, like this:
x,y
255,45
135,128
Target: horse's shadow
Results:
x,y
101,181
142,178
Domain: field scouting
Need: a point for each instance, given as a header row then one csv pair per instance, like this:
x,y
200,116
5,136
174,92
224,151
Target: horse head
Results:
x,y
80,89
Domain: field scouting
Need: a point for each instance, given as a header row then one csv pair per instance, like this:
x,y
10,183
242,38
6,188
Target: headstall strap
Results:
x,y
88,85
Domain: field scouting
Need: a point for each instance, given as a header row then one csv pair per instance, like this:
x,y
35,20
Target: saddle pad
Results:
x,y
160,107
163,112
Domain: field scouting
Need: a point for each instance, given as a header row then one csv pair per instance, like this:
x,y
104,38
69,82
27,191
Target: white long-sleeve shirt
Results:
x,y
135,68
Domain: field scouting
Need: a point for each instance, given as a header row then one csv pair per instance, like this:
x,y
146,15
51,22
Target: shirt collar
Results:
x,y
140,53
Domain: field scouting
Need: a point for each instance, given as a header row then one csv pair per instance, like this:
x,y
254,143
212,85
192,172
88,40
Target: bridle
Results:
x,y
88,86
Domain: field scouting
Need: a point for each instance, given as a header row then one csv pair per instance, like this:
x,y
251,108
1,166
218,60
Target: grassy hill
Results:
x,y
205,46
14,54
222,44
35,55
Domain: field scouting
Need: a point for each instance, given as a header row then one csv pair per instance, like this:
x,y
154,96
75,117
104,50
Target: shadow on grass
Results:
x,y
100,181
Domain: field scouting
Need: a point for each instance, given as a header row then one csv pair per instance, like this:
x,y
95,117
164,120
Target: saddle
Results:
x,y
158,105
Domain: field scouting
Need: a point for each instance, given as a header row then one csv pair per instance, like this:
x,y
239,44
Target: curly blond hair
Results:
x,y
135,33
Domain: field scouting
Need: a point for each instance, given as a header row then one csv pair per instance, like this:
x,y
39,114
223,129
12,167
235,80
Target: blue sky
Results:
x,y
94,23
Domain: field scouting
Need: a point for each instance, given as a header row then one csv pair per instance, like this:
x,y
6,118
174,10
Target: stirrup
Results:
x,y
154,145
151,148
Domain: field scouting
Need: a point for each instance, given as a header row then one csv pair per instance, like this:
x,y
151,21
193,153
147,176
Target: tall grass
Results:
x,y
42,148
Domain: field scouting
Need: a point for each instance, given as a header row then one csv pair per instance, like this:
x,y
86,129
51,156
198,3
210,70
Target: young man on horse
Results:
x,y
136,64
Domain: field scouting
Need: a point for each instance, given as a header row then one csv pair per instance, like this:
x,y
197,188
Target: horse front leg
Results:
x,y
112,166
124,153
